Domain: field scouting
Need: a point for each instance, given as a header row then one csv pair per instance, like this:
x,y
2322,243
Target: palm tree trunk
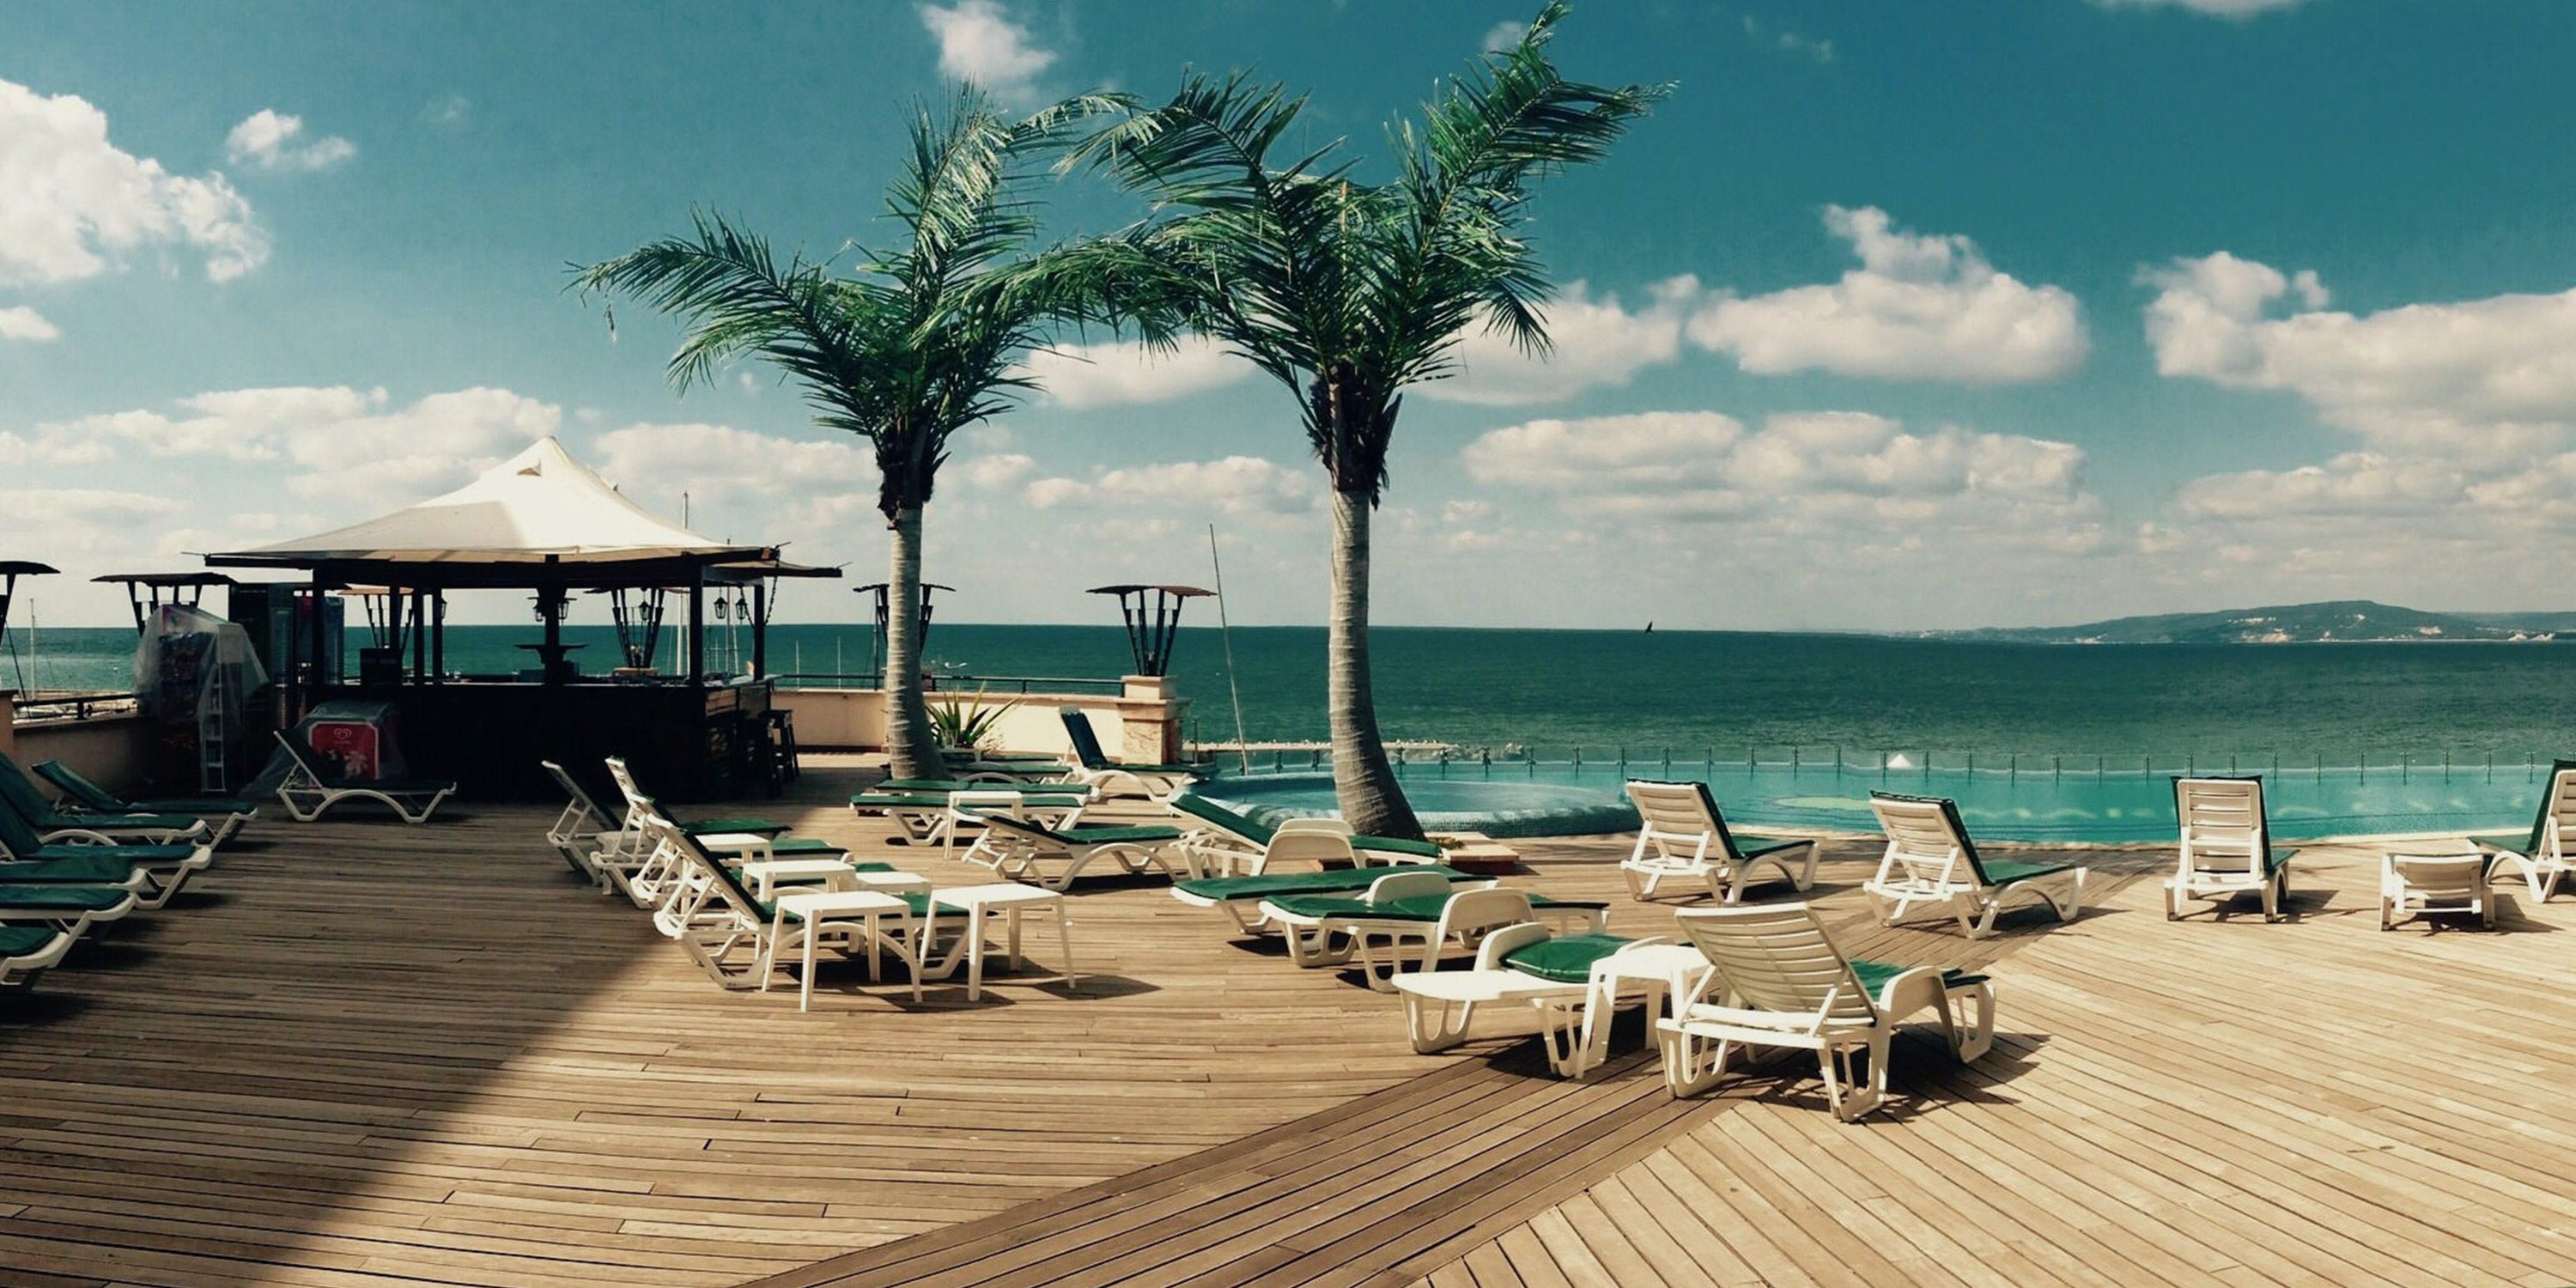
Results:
x,y
911,743
1372,801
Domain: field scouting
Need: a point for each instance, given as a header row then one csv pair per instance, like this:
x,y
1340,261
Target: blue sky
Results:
x,y
1896,315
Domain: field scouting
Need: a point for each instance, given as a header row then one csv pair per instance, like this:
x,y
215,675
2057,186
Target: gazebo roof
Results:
x,y
539,508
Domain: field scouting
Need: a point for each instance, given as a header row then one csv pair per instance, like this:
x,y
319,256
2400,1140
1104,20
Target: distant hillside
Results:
x,y
2339,621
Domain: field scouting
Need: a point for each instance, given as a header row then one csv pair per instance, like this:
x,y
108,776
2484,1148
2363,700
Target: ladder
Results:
x,y
214,737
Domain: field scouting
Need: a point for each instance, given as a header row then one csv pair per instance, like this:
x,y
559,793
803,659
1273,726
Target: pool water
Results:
x,y
2087,806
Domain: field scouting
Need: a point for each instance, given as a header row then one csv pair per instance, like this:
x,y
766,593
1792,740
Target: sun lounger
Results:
x,y
30,949
1403,908
724,921
632,861
309,790
1240,897
1218,841
1682,836
1570,985
18,793
1778,981
1021,849
2226,846
2541,856
1931,862
225,814
153,872
2411,885
1094,768
62,905
924,816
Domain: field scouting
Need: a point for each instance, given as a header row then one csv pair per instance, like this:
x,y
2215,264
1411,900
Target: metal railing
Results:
x,y
1004,685
1890,765
32,707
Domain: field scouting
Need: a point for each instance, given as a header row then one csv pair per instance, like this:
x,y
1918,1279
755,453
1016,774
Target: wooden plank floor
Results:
x,y
371,1055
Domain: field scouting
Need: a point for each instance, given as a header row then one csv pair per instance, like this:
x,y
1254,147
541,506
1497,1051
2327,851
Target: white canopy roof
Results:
x,y
537,505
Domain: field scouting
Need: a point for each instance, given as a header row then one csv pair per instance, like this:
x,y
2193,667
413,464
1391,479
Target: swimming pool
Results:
x,y
2087,805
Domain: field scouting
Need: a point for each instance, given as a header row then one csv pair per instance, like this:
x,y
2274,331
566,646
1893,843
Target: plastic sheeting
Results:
x,y
190,658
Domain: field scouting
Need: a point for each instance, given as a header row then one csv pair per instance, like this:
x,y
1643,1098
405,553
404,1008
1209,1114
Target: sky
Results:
x,y
1896,315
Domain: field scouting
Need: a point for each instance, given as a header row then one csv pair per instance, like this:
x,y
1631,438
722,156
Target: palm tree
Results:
x,y
1347,292
908,347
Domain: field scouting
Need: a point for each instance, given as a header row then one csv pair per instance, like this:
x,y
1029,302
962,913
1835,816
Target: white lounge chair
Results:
x,y
583,829
18,792
1221,842
632,861
1778,981
30,949
81,796
2414,884
66,907
1931,862
154,873
1240,897
2226,847
923,814
735,936
1021,849
1410,908
2541,857
1094,768
1683,837
1570,985
309,790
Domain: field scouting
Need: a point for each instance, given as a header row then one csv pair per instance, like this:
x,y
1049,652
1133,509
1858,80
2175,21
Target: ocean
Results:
x,y
1722,697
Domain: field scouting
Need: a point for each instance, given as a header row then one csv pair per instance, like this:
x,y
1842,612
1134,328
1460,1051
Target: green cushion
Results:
x,y
1116,835
79,870
804,845
2279,857
712,826
1223,819
18,941
925,800
199,806
131,855
1754,847
943,786
75,898
1229,889
1567,960
2007,871
1874,976
1420,907
2510,842
1396,845
56,820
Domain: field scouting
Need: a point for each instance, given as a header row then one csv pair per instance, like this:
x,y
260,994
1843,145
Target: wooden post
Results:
x,y
698,625
313,687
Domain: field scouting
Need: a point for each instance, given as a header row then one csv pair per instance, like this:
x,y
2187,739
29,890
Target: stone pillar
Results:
x,y
1150,712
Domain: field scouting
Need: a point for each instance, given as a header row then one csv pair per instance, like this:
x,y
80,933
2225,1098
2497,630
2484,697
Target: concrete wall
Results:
x,y
1141,724
110,750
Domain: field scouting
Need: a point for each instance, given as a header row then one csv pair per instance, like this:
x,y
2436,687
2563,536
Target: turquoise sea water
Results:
x,y
1719,697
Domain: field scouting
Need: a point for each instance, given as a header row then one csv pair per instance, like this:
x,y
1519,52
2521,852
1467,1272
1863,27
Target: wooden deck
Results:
x,y
366,1054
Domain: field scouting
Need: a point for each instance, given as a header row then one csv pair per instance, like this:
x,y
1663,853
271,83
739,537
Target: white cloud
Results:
x,y
1592,343
269,140
1920,307
1115,372
453,110
996,472
90,520
23,323
69,199
1787,41
712,462
1236,485
2215,8
1818,473
979,43
2489,377
346,446
1504,36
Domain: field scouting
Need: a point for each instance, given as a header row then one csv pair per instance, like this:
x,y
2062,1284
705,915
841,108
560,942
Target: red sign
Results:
x,y
350,745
